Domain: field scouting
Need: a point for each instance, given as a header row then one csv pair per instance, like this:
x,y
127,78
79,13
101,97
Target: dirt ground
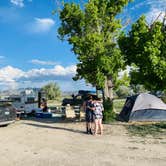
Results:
x,y
51,143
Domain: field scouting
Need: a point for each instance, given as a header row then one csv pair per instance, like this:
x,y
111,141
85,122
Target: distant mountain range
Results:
x,y
17,91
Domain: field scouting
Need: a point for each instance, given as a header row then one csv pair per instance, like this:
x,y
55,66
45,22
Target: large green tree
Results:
x,y
145,48
52,91
92,31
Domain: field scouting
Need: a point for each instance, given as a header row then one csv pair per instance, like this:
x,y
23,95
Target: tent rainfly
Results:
x,y
143,107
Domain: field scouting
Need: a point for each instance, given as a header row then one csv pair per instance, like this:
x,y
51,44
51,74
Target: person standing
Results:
x,y
44,105
89,108
98,116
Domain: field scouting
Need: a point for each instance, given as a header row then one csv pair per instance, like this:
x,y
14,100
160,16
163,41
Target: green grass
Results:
x,y
118,104
164,99
53,103
154,130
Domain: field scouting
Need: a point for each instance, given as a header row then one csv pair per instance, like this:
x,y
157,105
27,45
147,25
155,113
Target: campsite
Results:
x,y
40,141
82,82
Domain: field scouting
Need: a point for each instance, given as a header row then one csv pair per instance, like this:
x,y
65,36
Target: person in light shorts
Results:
x,y
98,116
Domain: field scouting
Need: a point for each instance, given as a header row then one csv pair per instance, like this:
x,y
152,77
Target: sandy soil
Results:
x,y
48,143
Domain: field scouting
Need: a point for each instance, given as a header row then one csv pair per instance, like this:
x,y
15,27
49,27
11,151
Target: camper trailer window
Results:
x,y
30,99
16,99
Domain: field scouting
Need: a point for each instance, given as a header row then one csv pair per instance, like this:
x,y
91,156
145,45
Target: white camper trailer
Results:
x,y
26,101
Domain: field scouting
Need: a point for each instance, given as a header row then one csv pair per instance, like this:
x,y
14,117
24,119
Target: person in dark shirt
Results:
x,y
44,105
88,108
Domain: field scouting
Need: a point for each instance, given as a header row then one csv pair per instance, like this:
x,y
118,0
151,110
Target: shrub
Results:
x,y
123,91
164,99
108,115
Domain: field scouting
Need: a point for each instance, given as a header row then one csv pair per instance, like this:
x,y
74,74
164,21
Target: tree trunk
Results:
x,y
110,87
97,92
106,94
108,90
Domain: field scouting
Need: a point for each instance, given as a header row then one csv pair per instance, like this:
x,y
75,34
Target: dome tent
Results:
x,y
143,107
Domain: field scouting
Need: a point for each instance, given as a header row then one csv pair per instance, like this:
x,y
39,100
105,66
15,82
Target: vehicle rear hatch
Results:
x,y
7,113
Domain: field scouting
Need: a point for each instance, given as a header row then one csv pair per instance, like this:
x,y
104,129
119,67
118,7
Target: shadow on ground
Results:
x,y
54,127
54,120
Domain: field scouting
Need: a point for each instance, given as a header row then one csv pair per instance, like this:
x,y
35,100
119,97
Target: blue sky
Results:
x,y
31,55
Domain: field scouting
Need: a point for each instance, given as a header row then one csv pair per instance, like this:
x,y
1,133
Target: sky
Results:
x,y
31,54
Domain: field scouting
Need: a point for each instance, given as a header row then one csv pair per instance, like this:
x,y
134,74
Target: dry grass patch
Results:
x,y
154,129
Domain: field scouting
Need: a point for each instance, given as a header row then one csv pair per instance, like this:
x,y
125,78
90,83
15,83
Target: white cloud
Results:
x,y
58,72
19,3
8,75
40,62
11,77
150,8
41,25
157,10
155,14
156,3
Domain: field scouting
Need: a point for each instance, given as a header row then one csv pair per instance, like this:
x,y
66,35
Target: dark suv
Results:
x,y
79,98
72,101
7,113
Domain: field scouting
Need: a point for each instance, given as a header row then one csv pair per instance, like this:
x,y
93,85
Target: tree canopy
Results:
x,y
145,48
92,32
52,91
